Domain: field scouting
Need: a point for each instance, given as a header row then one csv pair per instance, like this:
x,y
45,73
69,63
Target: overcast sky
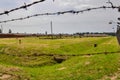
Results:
x,y
93,21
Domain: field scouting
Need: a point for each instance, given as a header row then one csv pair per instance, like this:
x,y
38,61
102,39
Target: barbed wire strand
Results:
x,y
25,6
63,12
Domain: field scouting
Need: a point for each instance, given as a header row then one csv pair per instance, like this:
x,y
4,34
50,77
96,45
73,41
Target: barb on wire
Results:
x,y
109,2
25,6
119,18
119,9
21,7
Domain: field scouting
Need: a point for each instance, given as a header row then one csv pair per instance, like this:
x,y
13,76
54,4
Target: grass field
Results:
x,y
33,59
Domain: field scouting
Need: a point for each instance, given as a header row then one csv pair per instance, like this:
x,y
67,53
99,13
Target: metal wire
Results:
x,y
61,13
21,7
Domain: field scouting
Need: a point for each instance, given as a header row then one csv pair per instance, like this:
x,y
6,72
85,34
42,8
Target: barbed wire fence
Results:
x,y
61,13
55,13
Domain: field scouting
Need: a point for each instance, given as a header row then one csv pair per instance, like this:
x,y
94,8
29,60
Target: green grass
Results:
x,y
78,68
30,64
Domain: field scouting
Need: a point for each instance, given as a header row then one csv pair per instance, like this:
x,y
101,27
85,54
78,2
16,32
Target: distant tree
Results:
x,y
10,31
87,32
45,32
0,30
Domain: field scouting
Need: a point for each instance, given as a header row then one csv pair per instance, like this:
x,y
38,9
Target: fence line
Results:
x,y
63,12
25,6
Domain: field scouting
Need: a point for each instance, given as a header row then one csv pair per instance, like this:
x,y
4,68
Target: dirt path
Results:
x,y
115,76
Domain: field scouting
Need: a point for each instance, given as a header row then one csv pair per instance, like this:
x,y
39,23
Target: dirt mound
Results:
x,y
5,76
